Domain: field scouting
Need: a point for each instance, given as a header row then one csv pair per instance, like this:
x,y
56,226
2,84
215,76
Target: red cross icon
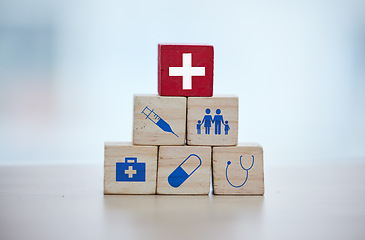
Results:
x,y
185,70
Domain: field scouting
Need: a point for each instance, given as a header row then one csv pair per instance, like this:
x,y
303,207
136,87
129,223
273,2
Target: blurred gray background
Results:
x,y
69,69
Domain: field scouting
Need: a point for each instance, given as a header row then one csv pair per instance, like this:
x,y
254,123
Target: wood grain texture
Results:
x,y
116,152
171,109
255,181
170,157
59,202
197,107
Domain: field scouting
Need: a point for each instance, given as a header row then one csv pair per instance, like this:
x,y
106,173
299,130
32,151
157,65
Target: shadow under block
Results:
x,y
159,120
129,169
230,178
212,121
184,170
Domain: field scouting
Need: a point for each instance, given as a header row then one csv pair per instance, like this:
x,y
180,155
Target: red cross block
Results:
x,y
185,70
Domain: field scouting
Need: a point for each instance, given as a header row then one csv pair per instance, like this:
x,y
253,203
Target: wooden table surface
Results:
x,y
67,202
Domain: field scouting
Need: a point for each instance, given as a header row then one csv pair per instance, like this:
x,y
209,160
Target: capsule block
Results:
x,y
238,170
159,120
129,169
212,121
184,170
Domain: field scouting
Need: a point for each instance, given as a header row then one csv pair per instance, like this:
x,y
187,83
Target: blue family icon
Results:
x,y
246,169
179,175
208,120
130,170
151,115
226,128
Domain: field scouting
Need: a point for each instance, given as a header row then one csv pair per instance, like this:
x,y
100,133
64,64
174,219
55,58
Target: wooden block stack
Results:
x,y
184,136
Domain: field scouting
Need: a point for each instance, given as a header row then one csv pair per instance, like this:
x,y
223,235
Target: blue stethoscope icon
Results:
x,y
246,169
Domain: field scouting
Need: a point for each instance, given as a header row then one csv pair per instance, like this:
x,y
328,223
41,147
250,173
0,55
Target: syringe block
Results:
x,y
159,130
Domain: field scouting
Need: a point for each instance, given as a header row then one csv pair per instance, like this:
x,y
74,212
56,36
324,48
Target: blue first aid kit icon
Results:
x,y
130,171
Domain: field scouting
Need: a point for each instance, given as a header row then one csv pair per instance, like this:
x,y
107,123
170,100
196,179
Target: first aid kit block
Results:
x,y
212,121
238,170
129,169
184,170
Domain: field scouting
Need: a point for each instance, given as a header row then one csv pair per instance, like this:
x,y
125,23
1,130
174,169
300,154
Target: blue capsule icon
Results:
x,y
179,175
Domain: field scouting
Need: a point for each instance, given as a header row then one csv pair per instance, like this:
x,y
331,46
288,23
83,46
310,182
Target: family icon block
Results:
x,y
184,137
217,121
212,121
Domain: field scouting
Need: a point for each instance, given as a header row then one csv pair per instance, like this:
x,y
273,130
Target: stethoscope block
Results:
x,y
238,170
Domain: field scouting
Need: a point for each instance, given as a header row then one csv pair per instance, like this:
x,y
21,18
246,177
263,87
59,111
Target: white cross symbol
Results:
x,y
187,71
130,172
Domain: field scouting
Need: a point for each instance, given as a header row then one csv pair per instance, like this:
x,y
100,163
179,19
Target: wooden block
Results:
x,y
238,170
129,169
185,70
212,121
184,170
159,120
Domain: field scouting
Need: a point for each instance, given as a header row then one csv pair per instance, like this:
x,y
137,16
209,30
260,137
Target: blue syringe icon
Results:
x,y
151,115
